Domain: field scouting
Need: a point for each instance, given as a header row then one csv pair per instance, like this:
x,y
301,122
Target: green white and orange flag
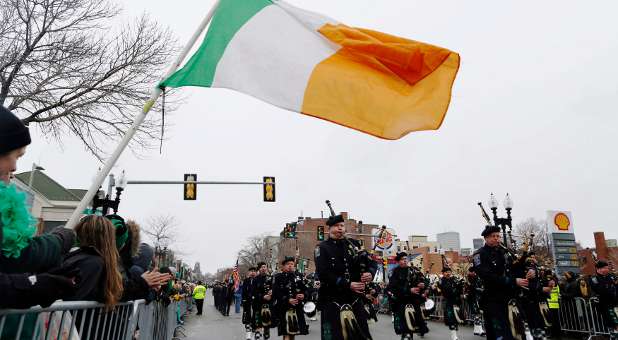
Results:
x,y
305,62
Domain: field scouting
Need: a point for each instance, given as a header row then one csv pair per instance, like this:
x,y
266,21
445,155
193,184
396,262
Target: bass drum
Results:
x,y
310,309
429,304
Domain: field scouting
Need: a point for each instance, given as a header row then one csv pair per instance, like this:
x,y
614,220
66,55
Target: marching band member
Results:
x,y
342,285
451,292
405,289
263,300
248,295
289,293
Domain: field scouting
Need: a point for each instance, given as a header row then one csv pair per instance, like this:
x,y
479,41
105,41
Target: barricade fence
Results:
x,y
86,320
576,315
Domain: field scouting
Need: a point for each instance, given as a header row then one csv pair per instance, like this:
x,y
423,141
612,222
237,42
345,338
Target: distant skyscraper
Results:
x,y
477,243
449,241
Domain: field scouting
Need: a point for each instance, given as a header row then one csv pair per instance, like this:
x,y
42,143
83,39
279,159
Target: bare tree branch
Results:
x,y
64,68
256,249
162,230
534,233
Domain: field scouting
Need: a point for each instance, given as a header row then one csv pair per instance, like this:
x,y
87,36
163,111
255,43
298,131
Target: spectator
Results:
x,y
20,251
127,243
97,260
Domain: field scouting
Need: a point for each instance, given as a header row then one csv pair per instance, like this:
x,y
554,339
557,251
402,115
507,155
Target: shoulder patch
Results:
x,y
477,259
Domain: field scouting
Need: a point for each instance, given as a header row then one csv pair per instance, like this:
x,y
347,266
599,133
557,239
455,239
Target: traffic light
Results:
x,y
320,233
290,230
190,189
269,189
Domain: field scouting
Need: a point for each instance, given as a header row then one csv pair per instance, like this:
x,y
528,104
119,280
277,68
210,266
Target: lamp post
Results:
x,y
35,167
501,221
103,200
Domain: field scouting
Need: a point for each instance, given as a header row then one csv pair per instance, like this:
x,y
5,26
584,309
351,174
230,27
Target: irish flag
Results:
x,y
305,62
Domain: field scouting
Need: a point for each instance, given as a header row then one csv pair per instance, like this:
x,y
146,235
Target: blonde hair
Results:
x,y
99,232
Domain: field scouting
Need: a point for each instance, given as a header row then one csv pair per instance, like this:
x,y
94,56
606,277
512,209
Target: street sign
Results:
x,y
190,189
269,189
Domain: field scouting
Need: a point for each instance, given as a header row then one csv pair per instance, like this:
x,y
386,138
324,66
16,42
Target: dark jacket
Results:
x,y
337,267
43,253
91,283
493,267
402,280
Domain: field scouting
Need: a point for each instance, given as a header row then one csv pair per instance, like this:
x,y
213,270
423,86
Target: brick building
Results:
x,y
303,246
602,251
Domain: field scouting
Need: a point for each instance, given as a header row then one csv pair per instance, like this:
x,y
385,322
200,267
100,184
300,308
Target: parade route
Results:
x,y
214,326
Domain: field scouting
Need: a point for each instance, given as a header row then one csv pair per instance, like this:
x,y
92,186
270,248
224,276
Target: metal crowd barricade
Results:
x,y
574,316
72,320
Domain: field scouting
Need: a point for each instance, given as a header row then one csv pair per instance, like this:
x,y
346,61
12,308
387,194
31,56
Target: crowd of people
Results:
x,y
507,295
102,259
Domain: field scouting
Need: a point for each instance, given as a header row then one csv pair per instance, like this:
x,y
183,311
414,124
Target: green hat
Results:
x,y
122,232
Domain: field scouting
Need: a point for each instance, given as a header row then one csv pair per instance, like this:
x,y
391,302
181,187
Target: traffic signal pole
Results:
x,y
198,182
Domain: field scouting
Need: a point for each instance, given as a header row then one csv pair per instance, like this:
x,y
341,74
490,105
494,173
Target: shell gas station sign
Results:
x,y
560,221
564,248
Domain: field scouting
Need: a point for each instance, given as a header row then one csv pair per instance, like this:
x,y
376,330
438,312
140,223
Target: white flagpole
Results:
x,y
139,119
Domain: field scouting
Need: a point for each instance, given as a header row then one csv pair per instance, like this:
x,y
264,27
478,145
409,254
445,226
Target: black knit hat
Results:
x,y
13,133
446,269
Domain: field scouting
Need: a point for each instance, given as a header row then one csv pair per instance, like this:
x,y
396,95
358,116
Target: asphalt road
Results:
x,y
213,326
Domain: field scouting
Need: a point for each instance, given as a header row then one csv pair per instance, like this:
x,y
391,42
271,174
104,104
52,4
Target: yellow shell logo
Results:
x,y
561,220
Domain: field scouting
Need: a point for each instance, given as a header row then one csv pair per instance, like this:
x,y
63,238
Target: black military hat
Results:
x,y
601,264
400,256
446,269
260,264
252,269
334,220
489,230
288,259
472,269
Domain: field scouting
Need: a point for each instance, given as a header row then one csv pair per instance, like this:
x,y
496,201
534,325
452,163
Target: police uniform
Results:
x,y
492,265
474,289
401,281
291,319
451,292
337,266
604,288
530,299
263,316
248,296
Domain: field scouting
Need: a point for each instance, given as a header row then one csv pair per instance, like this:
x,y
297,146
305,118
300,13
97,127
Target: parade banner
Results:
x,y
305,62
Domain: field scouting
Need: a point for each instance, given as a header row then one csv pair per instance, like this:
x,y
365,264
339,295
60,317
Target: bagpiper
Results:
x,y
262,302
248,296
344,272
289,292
405,290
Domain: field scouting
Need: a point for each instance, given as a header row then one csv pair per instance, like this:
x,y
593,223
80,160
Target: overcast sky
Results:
x,y
534,113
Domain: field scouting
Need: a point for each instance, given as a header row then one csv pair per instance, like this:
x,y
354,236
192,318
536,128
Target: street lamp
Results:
x,y
35,167
499,221
103,200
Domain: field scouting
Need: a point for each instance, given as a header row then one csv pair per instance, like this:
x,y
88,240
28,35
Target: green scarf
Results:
x,y
18,226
